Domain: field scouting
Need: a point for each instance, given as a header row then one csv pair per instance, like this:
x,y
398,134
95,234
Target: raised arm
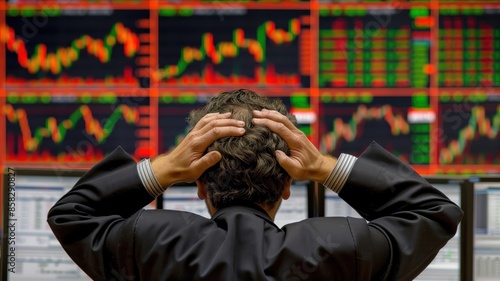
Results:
x,y
416,219
89,219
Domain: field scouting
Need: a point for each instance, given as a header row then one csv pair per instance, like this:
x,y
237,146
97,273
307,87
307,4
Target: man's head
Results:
x,y
248,171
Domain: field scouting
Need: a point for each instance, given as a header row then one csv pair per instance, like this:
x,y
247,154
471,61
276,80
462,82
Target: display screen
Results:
x,y
348,124
38,255
374,48
486,229
469,125
28,196
52,48
238,47
76,130
446,264
185,198
420,79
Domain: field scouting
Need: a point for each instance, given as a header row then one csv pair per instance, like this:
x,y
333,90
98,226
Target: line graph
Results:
x,y
350,130
349,127
217,53
65,57
109,50
57,132
470,134
253,48
72,131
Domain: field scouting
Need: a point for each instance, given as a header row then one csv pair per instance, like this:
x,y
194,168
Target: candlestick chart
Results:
x,y
469,130
248,47
79,130
349,125
108,50
352,72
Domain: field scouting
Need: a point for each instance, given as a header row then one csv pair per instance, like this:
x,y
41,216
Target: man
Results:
x,y
243,151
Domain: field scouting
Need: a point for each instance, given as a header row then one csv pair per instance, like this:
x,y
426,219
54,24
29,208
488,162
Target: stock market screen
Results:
x,y
79,78
420,77
74,129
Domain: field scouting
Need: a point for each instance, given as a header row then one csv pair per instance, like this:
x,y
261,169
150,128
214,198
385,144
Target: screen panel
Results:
x,y
183,197
32,250
349,122
446,265
50,47
486,260
390,49
468,131
74,128
233,46
469,47
367,47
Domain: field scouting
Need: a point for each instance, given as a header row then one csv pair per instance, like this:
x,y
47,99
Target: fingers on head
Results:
x,y
209,134
275,116
211,117
277,127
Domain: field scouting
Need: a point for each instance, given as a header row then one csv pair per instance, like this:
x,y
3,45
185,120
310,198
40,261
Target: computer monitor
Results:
x,y
296,207
446,265
30,249
183,197
486,228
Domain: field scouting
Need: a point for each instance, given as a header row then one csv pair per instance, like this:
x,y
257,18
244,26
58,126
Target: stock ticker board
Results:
x,y
56,49
421,79
49,129
250,48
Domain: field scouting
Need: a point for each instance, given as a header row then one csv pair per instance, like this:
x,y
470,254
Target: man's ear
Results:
x,y
202,193
286,190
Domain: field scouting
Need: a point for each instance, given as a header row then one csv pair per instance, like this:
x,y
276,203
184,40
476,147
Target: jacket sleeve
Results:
x,y
95,211
416,218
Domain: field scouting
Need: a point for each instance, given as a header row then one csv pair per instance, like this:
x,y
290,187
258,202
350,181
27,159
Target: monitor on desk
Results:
x,y
486,228
446,265
31,250
183,197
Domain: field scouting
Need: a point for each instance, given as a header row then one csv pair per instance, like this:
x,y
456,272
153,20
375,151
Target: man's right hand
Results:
x,y
187,161
305,161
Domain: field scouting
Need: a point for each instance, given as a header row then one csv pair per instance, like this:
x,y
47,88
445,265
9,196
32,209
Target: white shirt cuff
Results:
x,y
337,178
148,178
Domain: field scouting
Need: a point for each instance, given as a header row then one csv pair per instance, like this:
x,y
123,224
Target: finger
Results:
x,y
206,139
282,158
286,162
209,118
275,116
227,122
277,127
207,161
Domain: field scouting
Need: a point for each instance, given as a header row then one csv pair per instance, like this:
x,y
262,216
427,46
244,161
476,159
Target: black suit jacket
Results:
x,y
102,226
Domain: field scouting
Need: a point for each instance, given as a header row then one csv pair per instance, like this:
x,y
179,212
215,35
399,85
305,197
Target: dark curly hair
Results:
x,y
248,171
